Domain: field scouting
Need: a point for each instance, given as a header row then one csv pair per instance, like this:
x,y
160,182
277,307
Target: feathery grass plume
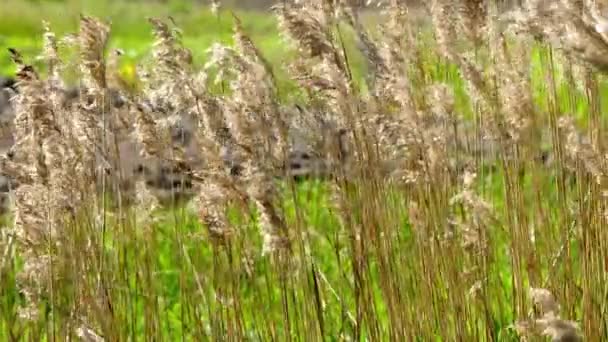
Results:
x,y
254,126
515,118
171,65
28,109
300,25
48,202
580,151
146,204
444,26
216,5
250,52
472,15
247,124
510,100
152,136
504,93
266,91
376,65
93,114
575,27
7,247
546,320
440,99
384,62
424,144
397,38
93,39
87,334
322,70
259,132
45,201
212,211
209,108
398,126
457,23
320,66
474,224
441,112
167,104
50,54
170,56
243,127
170,93
217,175
445,22
275,233
327,86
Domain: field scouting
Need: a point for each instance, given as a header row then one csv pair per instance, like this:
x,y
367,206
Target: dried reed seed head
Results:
x,y
441,99
376,61
26,74
473,18
544,301
547,320
31,226
302,26
579,150
566,26
468,179
559,330
212,212
34,122
252,115
273,228
247,48
50,52
146,202
149,133
216,5
87,334
93,39
445,26
171,58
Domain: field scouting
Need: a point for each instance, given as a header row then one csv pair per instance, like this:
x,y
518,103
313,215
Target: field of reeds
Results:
x,y
435,173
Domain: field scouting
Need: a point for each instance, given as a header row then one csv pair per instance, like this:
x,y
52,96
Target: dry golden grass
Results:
x,y
463,201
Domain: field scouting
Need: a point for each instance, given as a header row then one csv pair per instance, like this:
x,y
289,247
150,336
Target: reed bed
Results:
x,y
454,193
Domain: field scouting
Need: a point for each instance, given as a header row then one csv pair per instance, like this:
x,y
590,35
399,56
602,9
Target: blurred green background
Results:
x,y
21,24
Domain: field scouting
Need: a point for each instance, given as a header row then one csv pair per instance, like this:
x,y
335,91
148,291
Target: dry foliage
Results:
x,y
403,133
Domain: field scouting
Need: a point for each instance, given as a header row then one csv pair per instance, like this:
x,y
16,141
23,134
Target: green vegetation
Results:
x,y
21,26
451,244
